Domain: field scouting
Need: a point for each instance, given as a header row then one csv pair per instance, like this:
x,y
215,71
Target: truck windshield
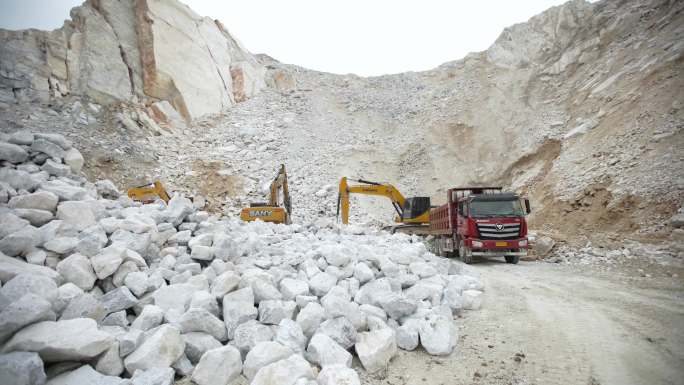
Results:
x,y
484,209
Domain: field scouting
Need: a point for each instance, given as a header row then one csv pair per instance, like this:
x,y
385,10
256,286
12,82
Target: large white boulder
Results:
x,y
21,368
321,283
290,334
338,375
11,267
407,335
376,348
12,153
110,362
218,366
77,339
174,299
284,372
238,308
438,334
201,320
150,317
84,305
249,334
197,343
74,159
153,376
77,269
263,354
86,375
28,309
161,349
322,350
23,284
108,260
273,311
341,330
224,283
291,288
310,317
78,214
39,200
118,299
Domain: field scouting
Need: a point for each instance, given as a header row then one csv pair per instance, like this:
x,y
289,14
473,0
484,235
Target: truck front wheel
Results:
x,y
512,259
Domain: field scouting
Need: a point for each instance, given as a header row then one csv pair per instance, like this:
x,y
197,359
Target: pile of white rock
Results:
x,y
98,289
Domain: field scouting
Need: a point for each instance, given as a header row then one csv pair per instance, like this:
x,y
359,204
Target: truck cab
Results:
x,y
481,222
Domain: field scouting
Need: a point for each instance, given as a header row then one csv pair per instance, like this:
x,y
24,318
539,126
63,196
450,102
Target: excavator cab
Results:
x,y
278,208
415,208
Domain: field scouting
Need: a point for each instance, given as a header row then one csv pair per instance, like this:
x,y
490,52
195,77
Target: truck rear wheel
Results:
x,y
465,254
438,247
513,259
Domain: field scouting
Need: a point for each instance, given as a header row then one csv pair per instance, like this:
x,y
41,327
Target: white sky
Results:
x,y
370,37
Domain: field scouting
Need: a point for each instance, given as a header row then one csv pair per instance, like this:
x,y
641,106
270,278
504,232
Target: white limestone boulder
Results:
x,y
323,351
263,354
376,348
218,366
160,349
76,340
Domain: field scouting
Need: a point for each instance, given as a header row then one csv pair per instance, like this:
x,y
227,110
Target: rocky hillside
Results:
x,y
580,108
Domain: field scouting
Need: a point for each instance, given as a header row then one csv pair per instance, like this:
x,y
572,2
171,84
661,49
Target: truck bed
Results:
x,y
441,222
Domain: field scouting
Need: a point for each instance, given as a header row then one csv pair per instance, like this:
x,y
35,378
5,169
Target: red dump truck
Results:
x,y
481,222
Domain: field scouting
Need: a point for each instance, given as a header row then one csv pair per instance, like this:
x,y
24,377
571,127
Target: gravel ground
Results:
x,y
559,324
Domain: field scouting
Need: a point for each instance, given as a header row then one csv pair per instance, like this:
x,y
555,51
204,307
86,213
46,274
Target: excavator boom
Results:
x,y
413,211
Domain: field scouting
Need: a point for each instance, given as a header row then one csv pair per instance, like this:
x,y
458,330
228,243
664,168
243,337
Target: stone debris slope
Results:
x,y
99,289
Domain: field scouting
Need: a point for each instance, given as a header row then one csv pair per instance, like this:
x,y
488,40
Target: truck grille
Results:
x,y
492,230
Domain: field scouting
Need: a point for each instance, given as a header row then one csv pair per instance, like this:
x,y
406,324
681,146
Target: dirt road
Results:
x,y
544,324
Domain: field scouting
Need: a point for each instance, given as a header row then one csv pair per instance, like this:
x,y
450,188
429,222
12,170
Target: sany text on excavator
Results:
x,y
149,193
413,214
277,210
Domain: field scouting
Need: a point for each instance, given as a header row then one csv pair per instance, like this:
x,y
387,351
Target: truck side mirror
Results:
x,y
527,206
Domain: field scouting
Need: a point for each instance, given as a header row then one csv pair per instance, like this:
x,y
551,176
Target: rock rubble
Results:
x,y
112,291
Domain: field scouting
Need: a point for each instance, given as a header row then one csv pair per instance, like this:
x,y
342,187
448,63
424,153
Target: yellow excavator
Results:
x,y
277,209
413,214
149,193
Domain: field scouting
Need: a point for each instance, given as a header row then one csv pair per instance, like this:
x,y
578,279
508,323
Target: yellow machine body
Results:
x,y
278,208
410,211
149,193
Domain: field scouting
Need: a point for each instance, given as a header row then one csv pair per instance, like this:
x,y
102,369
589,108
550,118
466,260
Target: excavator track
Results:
x,y
410,229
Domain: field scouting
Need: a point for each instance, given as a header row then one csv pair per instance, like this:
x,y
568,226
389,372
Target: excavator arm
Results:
x,y
280,184
276,210
368,188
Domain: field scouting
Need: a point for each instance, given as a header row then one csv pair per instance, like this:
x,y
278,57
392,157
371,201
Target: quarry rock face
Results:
x,y
131,51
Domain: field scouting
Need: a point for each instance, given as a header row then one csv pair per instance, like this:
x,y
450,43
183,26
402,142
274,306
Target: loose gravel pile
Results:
x,y
98,289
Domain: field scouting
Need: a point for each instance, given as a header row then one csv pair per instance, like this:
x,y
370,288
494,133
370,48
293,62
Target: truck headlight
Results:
x,y
522,243
477,244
